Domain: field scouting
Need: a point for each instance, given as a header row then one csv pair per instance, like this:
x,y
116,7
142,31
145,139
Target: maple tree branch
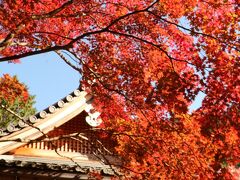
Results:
x,y
10,111
23,23
147,42
131,13
105,160
54,48
66,52
69,45
68,62
51,33
18,56
53,12
115,21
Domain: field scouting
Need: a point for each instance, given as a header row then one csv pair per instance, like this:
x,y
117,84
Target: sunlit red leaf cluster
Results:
x,y
145,62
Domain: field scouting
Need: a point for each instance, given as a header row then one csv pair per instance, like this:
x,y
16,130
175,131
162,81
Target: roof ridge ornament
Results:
x,y
93,116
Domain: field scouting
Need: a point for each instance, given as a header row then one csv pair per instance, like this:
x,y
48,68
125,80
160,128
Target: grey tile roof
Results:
x,y
40,115
40,163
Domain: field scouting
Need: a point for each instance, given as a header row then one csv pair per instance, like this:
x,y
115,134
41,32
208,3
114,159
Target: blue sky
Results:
x,y
46,75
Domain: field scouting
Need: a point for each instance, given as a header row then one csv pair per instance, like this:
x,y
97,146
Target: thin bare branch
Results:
x,y
68,62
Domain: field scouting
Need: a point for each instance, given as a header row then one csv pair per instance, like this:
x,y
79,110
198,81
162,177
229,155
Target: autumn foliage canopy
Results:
x,y
145,61
14,96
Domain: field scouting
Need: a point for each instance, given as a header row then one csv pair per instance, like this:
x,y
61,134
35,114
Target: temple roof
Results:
x,y
44,121
47,113
34,127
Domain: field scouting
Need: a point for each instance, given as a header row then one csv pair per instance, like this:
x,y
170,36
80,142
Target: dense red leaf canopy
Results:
x,y
145,62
